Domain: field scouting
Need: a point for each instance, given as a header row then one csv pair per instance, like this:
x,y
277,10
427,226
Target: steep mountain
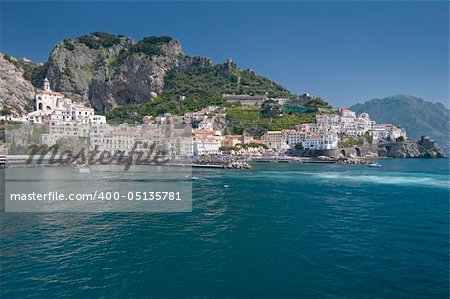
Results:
x,y
113,70
417,116
110,70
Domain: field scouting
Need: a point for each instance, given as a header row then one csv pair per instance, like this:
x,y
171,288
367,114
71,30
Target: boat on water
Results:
x,y
82,168
374,165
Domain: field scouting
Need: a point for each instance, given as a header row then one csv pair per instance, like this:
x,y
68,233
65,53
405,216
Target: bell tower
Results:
x,y
46,85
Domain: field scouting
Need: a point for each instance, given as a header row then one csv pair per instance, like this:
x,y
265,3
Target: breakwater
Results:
x,y
47,161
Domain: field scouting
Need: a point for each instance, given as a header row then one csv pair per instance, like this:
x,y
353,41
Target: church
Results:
x,y
46,99
54,106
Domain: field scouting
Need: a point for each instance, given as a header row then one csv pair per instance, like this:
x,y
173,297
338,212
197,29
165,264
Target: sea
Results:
x,y
279,230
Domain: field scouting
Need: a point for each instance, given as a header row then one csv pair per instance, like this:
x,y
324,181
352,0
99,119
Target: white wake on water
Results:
x,y
387,179
384,178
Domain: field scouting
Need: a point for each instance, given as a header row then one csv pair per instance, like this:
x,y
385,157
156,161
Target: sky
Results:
x,y
344,52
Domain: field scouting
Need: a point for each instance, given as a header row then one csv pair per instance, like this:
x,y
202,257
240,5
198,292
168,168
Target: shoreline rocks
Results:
x,y
424,148
354,161
237,165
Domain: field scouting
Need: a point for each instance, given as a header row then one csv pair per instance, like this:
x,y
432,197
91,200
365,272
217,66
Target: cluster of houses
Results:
x,y
329,130
194,134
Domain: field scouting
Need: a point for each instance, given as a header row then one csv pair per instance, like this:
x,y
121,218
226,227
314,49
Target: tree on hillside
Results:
x,y
5,111
299,146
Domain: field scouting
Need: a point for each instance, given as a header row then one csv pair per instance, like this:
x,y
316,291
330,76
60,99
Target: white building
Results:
x,y
320,141
179,147
35,117
296,137
205,125
46,99
206,146
281,101
276,140
97,119
80,112
345,124
56,130
11,118
59,114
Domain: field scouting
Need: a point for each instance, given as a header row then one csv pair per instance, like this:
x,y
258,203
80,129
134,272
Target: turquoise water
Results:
x,y
278,230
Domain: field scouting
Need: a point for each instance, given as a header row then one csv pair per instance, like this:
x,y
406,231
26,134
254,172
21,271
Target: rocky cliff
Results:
x,y
111,70
16,93
424,148
429,148
399,150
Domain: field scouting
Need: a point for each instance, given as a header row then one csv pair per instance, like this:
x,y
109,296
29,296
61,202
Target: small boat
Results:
x,y
191,177
82,169
374,165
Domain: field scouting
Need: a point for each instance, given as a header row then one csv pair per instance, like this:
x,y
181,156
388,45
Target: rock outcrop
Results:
x,y
118,73
399,150
347,160
424,148
429,148
238,165
15,92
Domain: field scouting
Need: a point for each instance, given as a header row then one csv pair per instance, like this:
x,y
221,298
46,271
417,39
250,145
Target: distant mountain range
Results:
x,y
417,116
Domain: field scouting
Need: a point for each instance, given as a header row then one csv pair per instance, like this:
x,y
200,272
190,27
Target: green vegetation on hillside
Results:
x,y
201,87
238,147
11,60
165,103
219,79
304,106
33,72
96,40
352,142
205,86
316,103
253,121
68,44
150,45
5,111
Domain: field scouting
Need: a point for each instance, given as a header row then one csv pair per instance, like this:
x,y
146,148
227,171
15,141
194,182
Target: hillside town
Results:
x,y
196,135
